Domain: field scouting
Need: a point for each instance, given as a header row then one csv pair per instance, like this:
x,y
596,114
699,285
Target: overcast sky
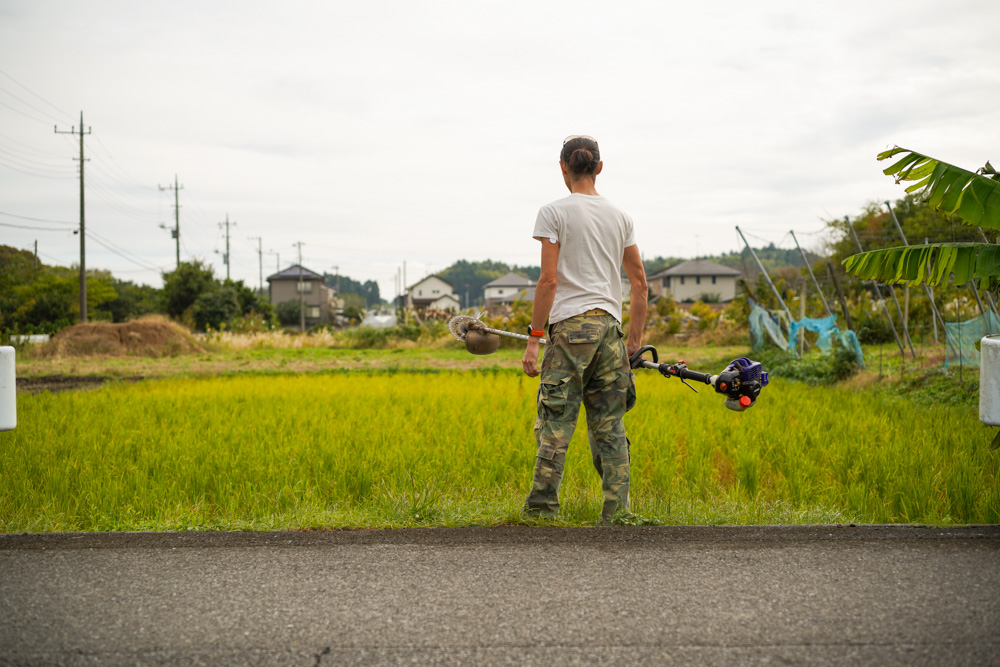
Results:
x,y
426,132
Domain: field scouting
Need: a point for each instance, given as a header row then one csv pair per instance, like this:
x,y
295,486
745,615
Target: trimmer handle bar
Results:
x,y
678,370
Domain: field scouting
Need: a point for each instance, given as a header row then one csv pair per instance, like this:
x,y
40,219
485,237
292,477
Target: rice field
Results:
x,y
386,449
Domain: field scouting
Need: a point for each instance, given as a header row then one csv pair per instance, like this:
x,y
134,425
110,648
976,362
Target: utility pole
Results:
x,y
260,262
277,260
36,256
176,231
302,295
82,230
337,273
225,257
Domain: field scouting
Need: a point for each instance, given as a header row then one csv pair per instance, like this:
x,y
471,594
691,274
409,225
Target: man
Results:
x,y
585,242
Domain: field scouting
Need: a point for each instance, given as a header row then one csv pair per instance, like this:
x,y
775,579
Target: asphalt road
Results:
x,y
884,595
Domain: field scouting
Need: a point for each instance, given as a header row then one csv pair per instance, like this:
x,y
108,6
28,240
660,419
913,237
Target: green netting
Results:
x,y
961,338
763,322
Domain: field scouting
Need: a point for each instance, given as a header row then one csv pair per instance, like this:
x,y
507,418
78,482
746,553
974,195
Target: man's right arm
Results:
x,y
637,305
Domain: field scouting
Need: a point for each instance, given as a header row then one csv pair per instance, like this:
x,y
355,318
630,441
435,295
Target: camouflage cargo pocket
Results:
x,y
553,394
583,336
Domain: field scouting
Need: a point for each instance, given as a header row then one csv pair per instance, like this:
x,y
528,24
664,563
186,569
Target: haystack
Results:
x,y
154,337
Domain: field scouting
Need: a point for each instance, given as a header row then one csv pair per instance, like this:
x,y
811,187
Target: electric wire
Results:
x,y
18,111
39,229
35,173
100,194
32,163
31,149
121,170
125,257
29,90
118,250
32,107
24,217
98,184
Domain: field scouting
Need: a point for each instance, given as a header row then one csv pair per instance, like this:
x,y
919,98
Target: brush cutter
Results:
x,y
740,382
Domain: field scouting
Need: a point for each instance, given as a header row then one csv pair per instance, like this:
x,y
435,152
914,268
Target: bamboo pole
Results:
x,y
811,275
878,292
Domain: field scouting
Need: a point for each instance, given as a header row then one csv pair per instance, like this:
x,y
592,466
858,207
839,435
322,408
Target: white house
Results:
x,y
508,288
696,279
432,292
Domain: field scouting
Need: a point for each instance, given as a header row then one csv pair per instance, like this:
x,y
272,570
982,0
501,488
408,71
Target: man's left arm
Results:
x,y
637,304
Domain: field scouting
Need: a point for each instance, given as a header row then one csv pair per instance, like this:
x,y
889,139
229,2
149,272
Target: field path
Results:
x,y
886,595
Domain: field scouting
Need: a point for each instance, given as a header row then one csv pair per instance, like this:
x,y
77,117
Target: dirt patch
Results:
x,y
57,383
142,338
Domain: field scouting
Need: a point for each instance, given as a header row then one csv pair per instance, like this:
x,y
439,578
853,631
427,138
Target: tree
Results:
x,y
132,300
216,308
974,197
183,286
368,290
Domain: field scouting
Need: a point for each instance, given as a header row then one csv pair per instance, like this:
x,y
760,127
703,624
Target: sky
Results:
x,y
381,133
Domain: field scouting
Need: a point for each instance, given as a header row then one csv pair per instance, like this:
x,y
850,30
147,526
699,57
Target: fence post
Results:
x,y
8,389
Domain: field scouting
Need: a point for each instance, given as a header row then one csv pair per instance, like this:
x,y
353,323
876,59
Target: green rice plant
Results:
x,y
402,448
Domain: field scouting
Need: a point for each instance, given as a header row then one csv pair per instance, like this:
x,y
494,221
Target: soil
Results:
x,y
57,383
147,338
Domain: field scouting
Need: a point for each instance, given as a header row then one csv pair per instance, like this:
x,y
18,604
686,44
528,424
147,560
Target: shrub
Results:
x,y
813,368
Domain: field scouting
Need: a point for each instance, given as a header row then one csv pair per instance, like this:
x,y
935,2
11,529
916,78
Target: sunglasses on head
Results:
x,y
578,136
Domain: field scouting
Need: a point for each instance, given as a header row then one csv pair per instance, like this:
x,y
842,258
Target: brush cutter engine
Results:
x,y
740,382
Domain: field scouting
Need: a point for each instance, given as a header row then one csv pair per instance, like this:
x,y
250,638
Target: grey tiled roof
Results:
x,y
697,267
292,273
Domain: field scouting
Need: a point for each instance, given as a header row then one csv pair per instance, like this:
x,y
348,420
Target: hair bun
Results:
x,y
581,155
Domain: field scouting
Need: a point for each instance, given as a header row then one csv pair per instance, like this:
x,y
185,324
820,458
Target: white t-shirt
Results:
x,y
592,234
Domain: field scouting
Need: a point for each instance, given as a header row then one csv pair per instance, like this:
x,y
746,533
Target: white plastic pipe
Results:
x,y
8,390
989,380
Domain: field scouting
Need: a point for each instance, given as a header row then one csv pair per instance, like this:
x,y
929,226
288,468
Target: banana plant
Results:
x,y
973,197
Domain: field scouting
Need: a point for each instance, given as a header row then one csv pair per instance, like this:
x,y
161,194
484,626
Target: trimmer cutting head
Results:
x,y
478,338
460,325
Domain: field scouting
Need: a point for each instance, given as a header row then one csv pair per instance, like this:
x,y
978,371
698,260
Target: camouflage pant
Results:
x,y
585,362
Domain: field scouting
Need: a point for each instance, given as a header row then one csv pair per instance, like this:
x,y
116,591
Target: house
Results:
x,y
320,301
697,279
434,293
508,288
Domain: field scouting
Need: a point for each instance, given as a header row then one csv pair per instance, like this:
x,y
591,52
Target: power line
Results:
x,y
18,111
121,169
24,217
31,149
65,115
39,229
114,200
109,246
31,106
32,172
34,163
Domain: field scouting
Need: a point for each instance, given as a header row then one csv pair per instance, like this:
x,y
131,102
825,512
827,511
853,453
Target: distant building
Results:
x,y
434,293
507,289
320,301
696,279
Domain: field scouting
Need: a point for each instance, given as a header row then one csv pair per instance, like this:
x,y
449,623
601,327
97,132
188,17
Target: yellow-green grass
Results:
x,y
386,449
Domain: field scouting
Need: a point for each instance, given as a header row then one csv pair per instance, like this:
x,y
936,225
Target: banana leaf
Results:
x,y
973,197
932,264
